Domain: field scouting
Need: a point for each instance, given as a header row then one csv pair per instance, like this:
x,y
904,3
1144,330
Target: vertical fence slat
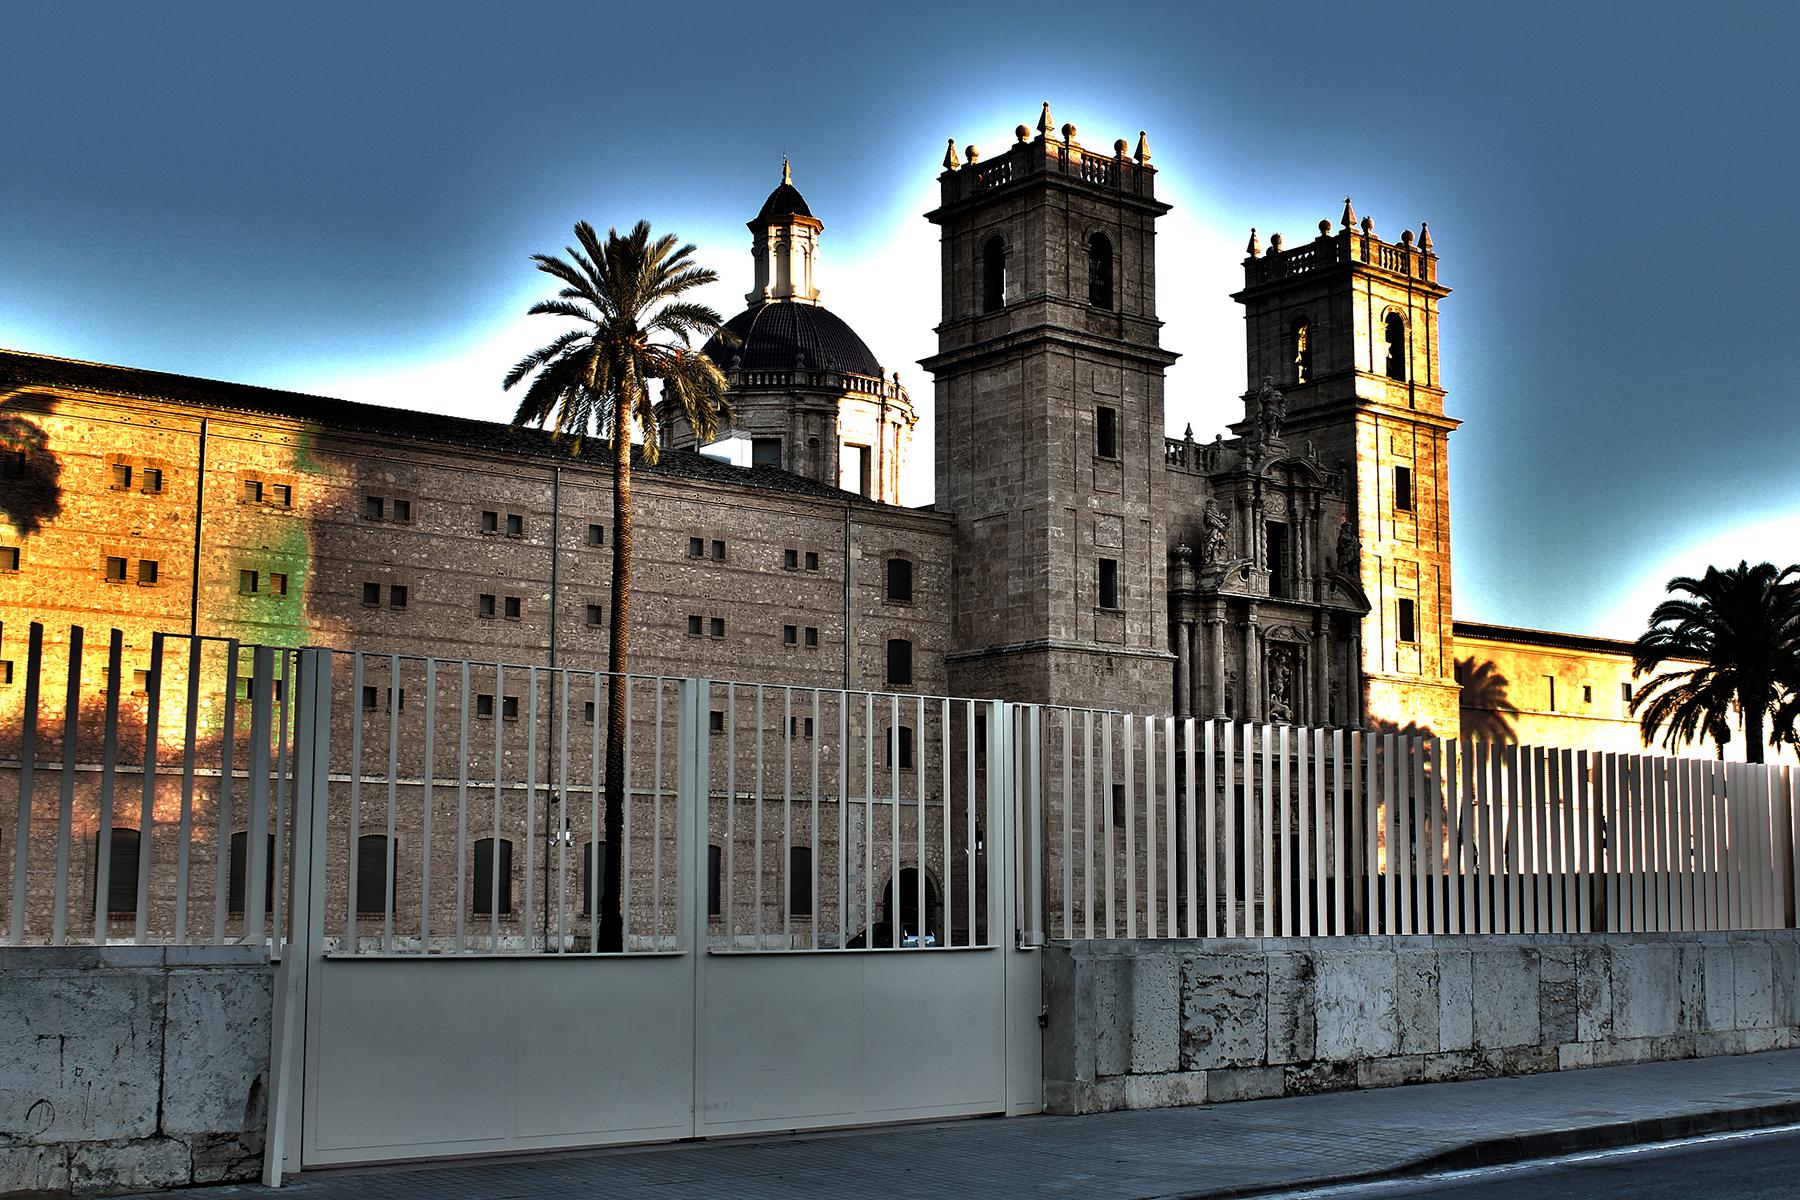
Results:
x,y
1150,872
1339,835
1191,840
1284,798
1228,801
1266,876
34,665
353,855
1211,851
1171,827
109,754
227,747
425,804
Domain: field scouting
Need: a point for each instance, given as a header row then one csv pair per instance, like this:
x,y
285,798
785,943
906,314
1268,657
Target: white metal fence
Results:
x,y
1158,827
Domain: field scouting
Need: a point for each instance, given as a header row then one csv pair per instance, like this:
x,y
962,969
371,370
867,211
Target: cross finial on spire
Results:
x,y
787,174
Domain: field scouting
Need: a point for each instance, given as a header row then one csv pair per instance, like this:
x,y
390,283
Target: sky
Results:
x,y
343,199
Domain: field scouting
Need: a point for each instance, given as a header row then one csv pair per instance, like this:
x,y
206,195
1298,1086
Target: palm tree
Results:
x,y
633,328
1732,642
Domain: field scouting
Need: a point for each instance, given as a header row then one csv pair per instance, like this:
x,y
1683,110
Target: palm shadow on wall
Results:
x,y
30,475
1485,706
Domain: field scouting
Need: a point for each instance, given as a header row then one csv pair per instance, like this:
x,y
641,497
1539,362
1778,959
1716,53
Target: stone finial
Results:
x,y
1274,243
1119,148
1424,236
1406,237
1255,246
1188,434
1143,147
1022,132
972,154
1349,218
1069,133
1324,228
950,160
787,172
1046,125
1368,226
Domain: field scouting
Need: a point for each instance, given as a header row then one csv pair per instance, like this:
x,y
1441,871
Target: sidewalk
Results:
x,y
1216,1150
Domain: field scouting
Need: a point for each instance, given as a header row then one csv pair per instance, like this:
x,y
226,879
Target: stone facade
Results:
x,y
1155,1024
132,1068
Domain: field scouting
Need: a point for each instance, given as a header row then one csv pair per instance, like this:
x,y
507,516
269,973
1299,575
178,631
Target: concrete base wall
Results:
x,y
131,1067
1152,1024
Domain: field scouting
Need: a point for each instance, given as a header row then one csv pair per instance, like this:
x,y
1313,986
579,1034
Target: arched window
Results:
x,y
121,881
482,895
1300,345
374,885
1100,271
1396,346
993,275
908,882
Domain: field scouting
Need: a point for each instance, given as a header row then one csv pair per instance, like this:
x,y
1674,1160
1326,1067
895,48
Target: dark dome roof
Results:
x,y
773,333
784,201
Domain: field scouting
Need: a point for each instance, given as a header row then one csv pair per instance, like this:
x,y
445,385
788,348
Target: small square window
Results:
x,y
812,637
249,583
484,706
281,495
490,522
514,607
116,569
515,525
790,560
277,584
718,550
153,480
369,697
371,595
374,508
484,605
587,711
148,569
596,614
253,491
765,452
694,627
509,708
790,635
596,534
812,560
397,595
715,721
121,476
696,547
403,511
716,627
9,558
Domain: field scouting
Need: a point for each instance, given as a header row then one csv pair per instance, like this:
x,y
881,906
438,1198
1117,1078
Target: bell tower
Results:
x,y
1347,326
1049,386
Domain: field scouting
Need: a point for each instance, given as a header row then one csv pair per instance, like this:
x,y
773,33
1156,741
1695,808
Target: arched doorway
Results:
x,y
931,928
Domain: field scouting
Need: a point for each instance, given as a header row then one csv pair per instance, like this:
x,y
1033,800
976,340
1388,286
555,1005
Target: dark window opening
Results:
x,y
906,915
147,571
1403,489
993,275
900,580
899,662
1408,622
1109,583
116,569
278,584
1625,692
790,635
812,560
716,627
596,535
1100,271
397,595
790,560
515,525
587,711
696,547
121,871
403,511
693,626
1396,346
1550,691
374,886
1300,338
281,495
596,614
121,476
800,881
1587,693
485,606
484,706
715,721
812,637
374,507
1106,431
715,870
153,480
718,550
900,743
483,895
9,559
509,708
490,522
371,593
237,880
765,452
1279,566
514,607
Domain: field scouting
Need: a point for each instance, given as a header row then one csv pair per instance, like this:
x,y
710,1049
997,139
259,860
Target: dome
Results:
x,y
784,201
773,333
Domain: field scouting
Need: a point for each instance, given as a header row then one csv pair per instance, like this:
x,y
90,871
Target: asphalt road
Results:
x,y
1727,1166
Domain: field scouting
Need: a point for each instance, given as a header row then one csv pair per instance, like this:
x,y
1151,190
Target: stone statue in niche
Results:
x,y
1217,524
1349,548
1281,684
1269,411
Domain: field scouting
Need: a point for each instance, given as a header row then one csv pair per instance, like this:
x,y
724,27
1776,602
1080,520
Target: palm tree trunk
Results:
x,y
1753,733
612,917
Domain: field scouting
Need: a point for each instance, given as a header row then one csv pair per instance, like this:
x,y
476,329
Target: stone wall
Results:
x,y
1150,1024
131,1067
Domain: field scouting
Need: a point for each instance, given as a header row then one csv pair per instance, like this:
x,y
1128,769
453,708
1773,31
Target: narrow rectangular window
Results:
x,y
1550,690
812,637
718,550
1403,492
587,711
790,635
121,871
485,605
1109,583
153,480
277,584
1625,692
374,507
900,580
403,511
1587,693
116,569
374,888
800,881
253,491
368,698
715,721
6,672
147,571
1408,632
790,560
281,495
484,706
397,595
596,614
9,559
1279,569
715,871
371,595
716,627
812,560
900,745
515,525
694,626
486,884
490,521
1106,431
696,547
236,885
596,534
515,608
121,476
509,708
899,662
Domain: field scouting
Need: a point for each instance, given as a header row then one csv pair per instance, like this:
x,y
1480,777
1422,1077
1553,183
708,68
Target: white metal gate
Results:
x,y
444,1017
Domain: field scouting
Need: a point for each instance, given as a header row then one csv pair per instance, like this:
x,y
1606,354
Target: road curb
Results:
x,y
1502,1151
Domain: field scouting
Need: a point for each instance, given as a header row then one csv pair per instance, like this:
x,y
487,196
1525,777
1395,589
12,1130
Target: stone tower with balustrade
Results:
x,y
1346,325
1049,377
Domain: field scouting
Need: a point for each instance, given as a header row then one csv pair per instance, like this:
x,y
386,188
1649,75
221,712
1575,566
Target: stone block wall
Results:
x,y
1152,1024
127,1068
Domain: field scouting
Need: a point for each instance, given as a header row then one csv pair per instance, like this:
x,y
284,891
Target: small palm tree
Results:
x,y
624,293
1740,628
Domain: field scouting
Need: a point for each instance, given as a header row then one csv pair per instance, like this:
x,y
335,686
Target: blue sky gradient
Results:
x,y
343,198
